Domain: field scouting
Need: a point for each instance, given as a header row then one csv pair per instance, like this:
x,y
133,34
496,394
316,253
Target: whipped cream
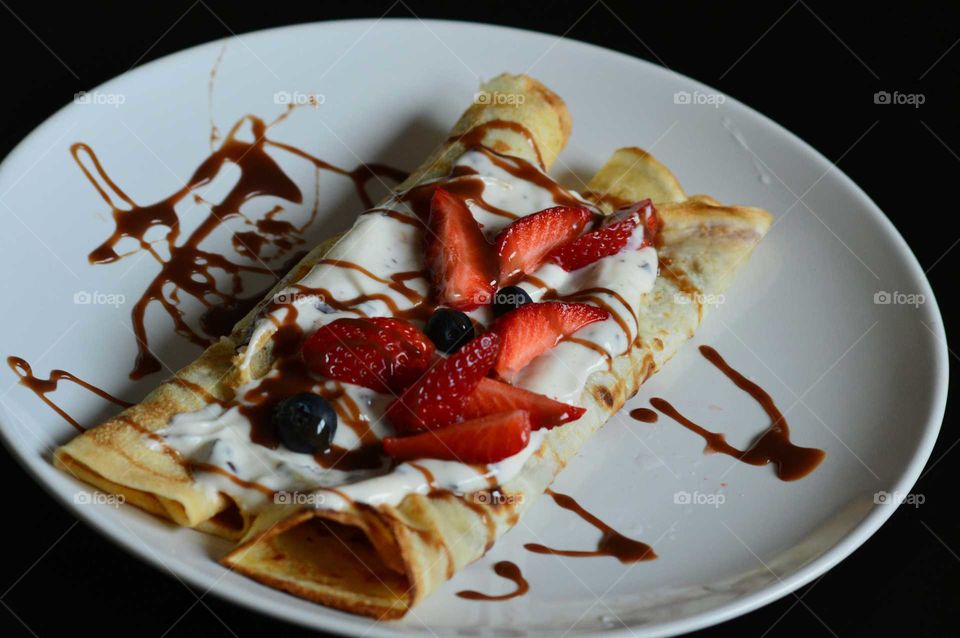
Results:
x,y
358,277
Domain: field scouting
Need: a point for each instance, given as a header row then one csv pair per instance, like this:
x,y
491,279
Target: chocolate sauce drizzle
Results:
x,y
772,446
504,569
612,543
191,270
42,387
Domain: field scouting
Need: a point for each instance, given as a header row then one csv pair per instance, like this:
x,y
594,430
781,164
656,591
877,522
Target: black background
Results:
x,y
812,67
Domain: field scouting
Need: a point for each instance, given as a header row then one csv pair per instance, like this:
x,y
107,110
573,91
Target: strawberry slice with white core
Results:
x,y
489,439
531,330
630,228
462,265
523,245
493,397
438,397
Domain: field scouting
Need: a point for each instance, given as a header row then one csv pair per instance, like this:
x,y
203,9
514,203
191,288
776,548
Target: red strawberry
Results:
x,y
531,330
653,225
461,262
609,240
379,353
492,397
437,399
523,244
488,439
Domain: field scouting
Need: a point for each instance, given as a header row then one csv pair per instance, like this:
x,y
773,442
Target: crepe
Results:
x,y
124,456
382,560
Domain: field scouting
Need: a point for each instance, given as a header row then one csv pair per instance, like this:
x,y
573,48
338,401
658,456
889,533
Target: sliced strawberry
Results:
x,y
524,244
653,225
531,330
379,353
488,439
492,397
437,399
609,240
462,263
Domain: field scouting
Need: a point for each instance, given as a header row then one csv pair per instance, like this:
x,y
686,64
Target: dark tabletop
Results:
x,y
814,67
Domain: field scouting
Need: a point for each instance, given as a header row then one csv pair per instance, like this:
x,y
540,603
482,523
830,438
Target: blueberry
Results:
x,y
449,329
509,298
305,423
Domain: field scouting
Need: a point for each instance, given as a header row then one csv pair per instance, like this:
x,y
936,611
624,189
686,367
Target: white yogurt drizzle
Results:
x,y
383,245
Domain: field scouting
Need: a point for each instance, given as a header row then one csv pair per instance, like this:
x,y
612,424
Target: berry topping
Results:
x,y
488,439
380,353
462,264
437,399
531,330
449,329
614,237
509,298
524,244
492,397
305,423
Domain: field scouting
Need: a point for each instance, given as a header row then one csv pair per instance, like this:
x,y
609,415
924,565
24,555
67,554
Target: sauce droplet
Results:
x,y
644,415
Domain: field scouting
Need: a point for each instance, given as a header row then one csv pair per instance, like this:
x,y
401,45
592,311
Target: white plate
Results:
x,y
866,382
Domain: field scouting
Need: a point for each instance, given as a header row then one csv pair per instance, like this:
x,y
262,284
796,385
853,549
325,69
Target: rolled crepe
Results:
x,y
125,455
381,561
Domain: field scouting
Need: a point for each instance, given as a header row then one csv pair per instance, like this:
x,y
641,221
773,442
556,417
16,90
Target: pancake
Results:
x,y
383,560
376,540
